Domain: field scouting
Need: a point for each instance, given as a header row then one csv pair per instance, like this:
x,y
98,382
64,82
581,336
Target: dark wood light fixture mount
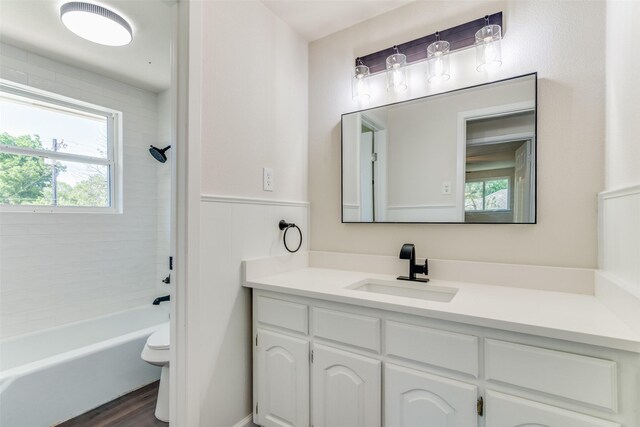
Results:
x,y
460,37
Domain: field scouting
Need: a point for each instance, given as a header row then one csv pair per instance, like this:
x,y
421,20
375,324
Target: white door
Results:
x,y
366,177
503,410
282,381
346,389
523,196
418,399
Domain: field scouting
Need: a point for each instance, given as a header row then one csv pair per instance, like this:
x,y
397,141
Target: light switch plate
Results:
x,y
267,179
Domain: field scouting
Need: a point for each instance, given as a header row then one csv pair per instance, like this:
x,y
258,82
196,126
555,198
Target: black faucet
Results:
x,y
158,300
408,251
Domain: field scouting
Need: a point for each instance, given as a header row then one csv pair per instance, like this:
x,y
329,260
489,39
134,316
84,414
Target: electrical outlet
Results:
x,y
446,187
267,179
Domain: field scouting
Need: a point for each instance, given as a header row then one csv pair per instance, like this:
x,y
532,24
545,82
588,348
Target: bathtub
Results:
x,y
49,376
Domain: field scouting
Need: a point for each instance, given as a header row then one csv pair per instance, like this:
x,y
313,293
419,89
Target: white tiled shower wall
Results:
x,y
62,267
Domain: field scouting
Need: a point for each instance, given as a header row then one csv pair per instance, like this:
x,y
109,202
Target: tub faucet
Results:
x,y
408,251
158,300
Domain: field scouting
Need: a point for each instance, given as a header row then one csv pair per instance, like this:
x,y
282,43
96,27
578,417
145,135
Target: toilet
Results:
x,y
156,352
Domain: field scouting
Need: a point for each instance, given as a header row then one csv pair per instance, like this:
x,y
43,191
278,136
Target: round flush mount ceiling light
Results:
x,y
96,24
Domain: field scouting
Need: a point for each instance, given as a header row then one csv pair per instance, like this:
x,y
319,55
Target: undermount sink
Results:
x,y
421,291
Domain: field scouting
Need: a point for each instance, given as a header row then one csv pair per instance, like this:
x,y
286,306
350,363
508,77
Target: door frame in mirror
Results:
x,y
484,113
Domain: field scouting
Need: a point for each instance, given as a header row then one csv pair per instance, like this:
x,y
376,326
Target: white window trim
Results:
x,y
114,150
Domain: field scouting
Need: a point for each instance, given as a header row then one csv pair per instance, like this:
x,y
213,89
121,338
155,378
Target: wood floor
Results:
x,y
131,410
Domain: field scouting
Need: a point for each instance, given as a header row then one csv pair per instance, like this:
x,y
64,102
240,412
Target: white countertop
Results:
x,y
561,315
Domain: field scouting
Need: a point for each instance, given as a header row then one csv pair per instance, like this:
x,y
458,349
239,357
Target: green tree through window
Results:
x,y
28,180
487,195
24,179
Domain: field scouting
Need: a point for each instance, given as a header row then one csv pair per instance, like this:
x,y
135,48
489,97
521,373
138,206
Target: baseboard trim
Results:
x,y
251,201
245,422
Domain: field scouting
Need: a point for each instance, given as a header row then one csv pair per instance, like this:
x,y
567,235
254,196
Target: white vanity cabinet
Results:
x,y
281,380
511,411
346,389
327,364
417,399
280,363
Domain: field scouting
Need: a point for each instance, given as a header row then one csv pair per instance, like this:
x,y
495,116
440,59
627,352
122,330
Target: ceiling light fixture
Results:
x,y
488,46
438,60
360,84
96,24
485,34
396,71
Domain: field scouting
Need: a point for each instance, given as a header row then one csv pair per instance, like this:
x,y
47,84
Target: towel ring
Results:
x,y
284,225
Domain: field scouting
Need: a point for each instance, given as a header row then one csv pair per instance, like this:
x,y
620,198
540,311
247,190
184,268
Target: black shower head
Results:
x,y
158,153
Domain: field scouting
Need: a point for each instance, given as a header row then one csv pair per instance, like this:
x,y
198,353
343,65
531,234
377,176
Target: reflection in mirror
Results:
x,y
466,156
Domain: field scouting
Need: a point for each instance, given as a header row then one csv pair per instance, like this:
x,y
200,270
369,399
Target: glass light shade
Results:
x,y
360,90
96,24
397,72
488,47
438,61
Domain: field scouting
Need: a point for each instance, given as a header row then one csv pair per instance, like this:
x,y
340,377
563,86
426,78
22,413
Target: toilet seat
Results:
x,y
156,349
156,352
159,340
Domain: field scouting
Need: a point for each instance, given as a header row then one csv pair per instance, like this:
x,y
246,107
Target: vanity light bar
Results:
x,y
459,37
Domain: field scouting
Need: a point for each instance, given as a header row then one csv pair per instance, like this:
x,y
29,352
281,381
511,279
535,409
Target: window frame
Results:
x,y
484,182
114,148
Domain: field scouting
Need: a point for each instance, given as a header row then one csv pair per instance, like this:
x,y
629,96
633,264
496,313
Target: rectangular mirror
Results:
x,y
465,156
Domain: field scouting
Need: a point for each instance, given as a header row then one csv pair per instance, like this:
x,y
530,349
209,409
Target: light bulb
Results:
x,y
492,59
438,68
396,72
488,47
360,84
438,61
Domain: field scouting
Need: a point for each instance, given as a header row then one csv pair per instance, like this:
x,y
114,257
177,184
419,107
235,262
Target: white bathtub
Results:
x,y
49,376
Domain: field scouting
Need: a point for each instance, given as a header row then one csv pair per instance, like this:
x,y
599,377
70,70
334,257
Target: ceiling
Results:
x,y
314,19
35,25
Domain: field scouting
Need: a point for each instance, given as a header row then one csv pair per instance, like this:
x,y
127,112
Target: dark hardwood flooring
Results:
x,y
131,410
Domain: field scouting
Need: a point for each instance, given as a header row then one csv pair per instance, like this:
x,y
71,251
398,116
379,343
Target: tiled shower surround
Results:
x,y
57,268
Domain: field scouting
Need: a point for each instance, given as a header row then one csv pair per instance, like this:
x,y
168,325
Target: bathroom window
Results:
x,y
490,194
56,154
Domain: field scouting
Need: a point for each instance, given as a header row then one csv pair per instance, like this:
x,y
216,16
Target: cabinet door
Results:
x,y
346,389
282,380
503,410
418,399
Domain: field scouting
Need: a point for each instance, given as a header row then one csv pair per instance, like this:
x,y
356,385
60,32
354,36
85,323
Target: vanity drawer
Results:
x,y
581,378
348,328
444,349
504,410
283,314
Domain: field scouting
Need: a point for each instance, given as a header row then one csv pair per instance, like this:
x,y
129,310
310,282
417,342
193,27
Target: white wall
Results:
x,y
60,268
256,79
620,204
551,38
623,92
253,114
